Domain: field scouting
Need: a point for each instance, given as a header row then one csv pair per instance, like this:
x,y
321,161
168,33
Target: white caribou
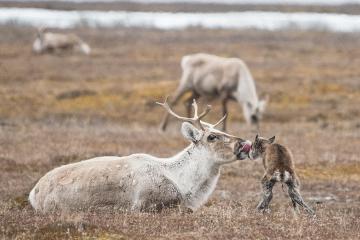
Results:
x,y
142,182
210,76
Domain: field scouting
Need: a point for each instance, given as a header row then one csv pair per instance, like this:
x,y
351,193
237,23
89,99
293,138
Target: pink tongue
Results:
x,y
246,148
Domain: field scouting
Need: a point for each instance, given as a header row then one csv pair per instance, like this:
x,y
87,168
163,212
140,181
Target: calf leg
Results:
x,y
267,186
296,198
136,205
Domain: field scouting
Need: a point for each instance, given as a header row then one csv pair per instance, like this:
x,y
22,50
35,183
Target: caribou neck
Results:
x,y
195,173
246,90
195,155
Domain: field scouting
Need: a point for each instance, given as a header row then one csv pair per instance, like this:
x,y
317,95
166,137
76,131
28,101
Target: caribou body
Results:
x,y
141,181
214,77
52,42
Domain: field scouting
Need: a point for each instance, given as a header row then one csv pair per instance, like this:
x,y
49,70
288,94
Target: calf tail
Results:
x,y
281,176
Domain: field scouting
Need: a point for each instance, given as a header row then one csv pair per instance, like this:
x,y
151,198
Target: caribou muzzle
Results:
x,y
242,149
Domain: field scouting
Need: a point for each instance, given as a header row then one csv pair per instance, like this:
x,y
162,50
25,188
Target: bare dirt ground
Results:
x,y
57,109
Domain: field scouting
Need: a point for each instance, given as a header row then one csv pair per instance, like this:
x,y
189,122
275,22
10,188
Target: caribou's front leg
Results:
x,y
178,94
225,111
137,201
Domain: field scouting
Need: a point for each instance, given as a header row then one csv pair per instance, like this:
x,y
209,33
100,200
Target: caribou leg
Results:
x,y
224,112
178,94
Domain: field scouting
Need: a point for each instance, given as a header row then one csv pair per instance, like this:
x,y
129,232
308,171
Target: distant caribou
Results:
x,y
210,76
53,42
141,182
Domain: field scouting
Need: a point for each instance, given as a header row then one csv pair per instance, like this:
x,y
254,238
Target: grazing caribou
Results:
x,y
210,76
53,42
279,167
142,182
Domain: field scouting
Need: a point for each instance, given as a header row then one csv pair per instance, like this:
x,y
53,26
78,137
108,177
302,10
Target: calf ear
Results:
x,y
190,132
272,139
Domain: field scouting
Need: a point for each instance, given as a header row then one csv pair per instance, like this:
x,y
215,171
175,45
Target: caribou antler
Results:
x,y
196,119
209,125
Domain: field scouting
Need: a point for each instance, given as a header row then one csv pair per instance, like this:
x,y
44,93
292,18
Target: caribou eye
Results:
x,y
212,137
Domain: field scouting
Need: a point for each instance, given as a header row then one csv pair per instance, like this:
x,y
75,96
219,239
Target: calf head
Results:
x,y
259,146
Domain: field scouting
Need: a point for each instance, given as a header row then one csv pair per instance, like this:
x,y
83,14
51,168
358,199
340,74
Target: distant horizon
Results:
x,y
248,2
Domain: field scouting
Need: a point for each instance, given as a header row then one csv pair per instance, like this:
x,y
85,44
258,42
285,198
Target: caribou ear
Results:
x,y
190,132
272,139
262,105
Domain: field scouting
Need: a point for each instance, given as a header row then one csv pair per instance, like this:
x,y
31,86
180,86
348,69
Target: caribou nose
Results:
x,y
242,146
238,146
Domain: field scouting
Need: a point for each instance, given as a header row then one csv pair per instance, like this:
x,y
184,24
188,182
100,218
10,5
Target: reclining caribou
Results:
x,y
141,182
53,42
214,77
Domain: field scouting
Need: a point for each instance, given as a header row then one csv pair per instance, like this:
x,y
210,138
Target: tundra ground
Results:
x,y
57,109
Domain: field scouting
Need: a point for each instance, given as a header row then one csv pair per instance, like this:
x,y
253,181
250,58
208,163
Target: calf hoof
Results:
x,y
311,212
263,210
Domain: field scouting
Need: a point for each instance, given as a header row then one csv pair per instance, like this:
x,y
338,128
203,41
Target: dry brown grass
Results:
x,y
65,108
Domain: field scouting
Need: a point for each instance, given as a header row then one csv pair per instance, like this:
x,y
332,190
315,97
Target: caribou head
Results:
x,y
225,147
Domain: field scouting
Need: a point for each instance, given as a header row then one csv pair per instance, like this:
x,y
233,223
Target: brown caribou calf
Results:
x,y
279,167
